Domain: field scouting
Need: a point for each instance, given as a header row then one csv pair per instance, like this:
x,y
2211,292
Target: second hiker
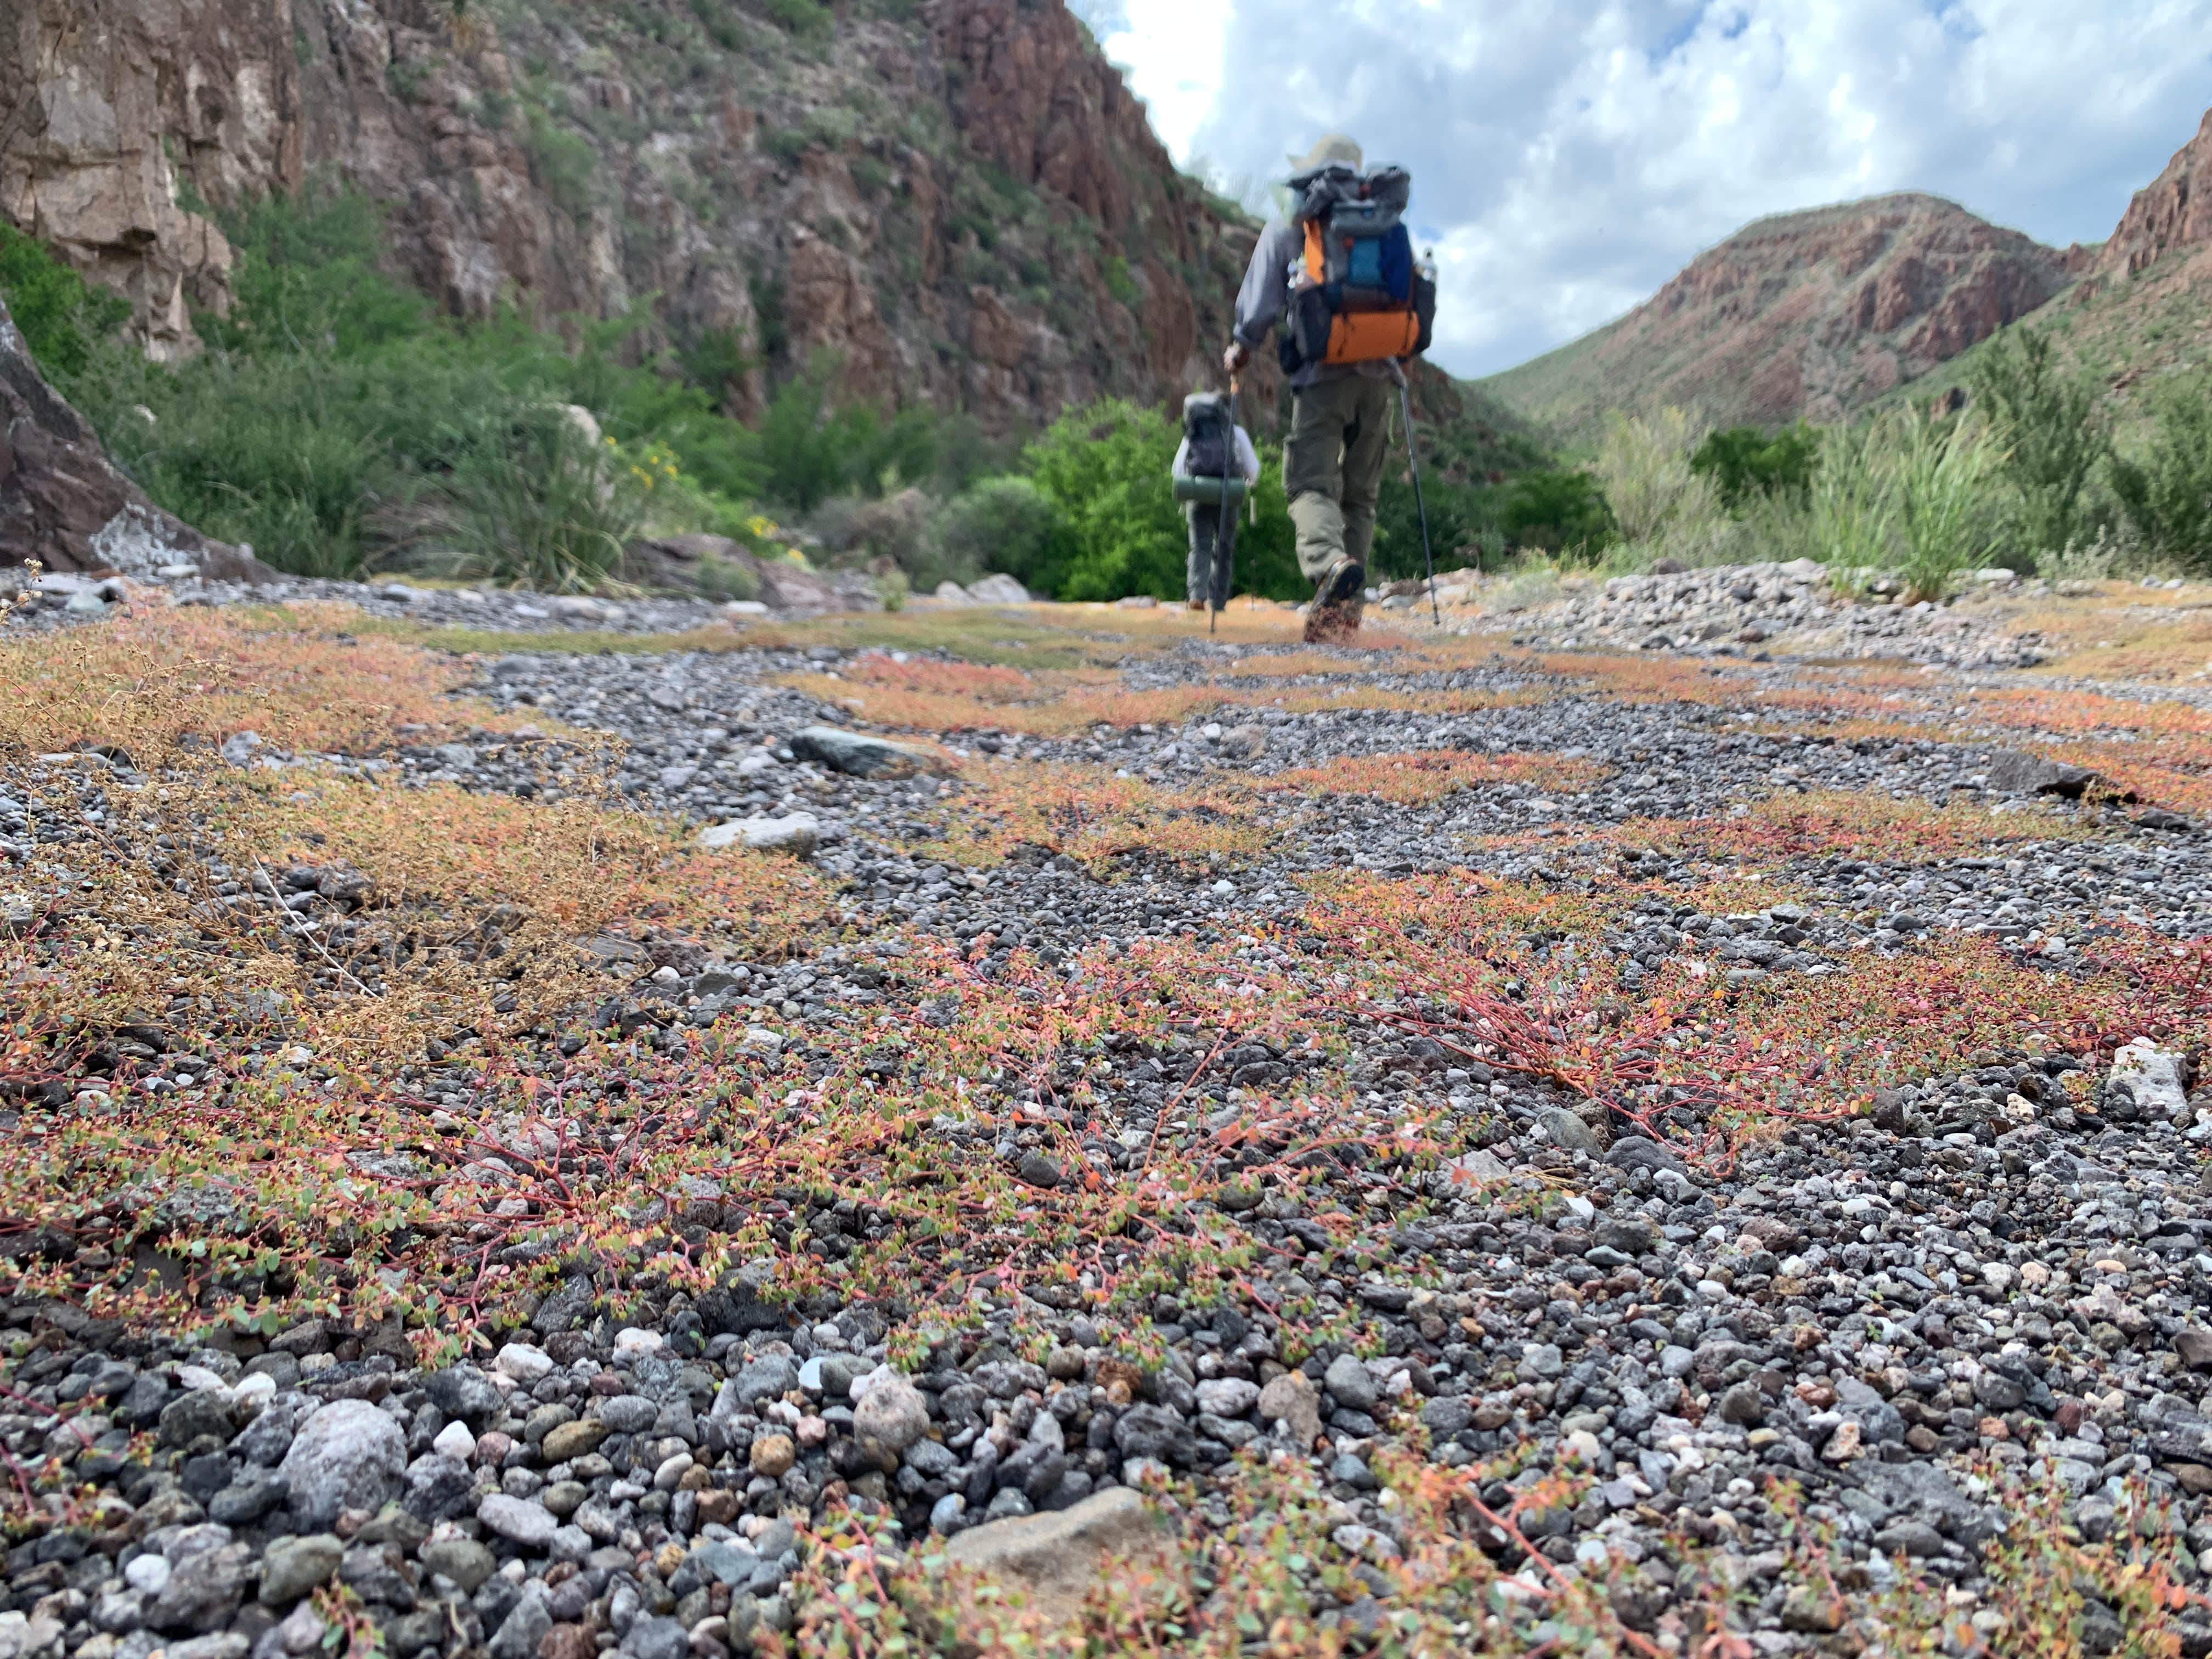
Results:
x,y
1214,470
1338,272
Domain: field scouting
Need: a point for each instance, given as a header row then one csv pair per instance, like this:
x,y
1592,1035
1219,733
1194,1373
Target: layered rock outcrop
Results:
x,y
1807,315
63,506
2172,212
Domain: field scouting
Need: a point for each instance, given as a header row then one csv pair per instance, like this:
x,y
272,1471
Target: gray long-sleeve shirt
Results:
x,y
1267,291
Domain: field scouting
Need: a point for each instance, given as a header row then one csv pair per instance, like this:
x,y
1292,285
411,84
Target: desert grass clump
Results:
x,y
1666,508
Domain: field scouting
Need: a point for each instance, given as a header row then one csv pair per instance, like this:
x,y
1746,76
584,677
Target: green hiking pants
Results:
x,y
1333,469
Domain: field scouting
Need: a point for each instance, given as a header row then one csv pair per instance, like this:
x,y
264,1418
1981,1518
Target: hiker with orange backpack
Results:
x,y
1338,273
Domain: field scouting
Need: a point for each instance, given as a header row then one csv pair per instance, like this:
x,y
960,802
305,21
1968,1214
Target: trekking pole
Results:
x,y
1225,533
1413,464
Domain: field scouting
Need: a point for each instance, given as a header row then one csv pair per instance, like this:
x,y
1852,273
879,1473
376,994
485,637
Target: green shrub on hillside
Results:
x,y
2167,487
1558,512
2057,435
997,524
307,281
1746,464
62,319
1116,528
528,496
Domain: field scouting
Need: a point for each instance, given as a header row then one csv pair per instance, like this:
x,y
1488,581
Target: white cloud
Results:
x,y
1569,155
1174,51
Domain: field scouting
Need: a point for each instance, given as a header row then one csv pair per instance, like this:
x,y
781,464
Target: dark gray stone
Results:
x,y
861,756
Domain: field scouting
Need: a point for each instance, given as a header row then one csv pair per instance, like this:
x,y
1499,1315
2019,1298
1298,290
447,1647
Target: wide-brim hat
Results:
x,y
1335,150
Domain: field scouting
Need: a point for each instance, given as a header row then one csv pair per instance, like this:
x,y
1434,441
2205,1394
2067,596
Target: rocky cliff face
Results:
x,y
2173,213
956,202
1807,314
63,505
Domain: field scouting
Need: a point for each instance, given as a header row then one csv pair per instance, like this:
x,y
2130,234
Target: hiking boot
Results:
x,y
1345,580
1332,624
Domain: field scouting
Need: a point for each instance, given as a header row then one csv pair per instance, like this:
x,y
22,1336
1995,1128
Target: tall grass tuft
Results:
x,y
1644,465
531,498
1853,506
1941,473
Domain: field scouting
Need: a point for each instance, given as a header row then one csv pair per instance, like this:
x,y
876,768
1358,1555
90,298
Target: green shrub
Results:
x,y
562,162
997,524
1942,472
1558,512
808,451
1116,528
803,18
2057,430
307,279
2166,488
1746,464
62,319
1854,509
527,496
1644,466
1910,491
1119,282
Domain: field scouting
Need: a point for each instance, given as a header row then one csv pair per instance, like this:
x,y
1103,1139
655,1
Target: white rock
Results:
x,y
1476,1168
768,1043
798,833
633,1340
952,594
523,1521
2152,1076
998,589
524,1362
255,1391
891,1417
859,1385
454,1441
349,1456
198,1377
1227,1396
744,608
149,1572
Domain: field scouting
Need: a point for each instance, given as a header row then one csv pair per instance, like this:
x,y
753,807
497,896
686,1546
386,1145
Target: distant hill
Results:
x,y
1809,314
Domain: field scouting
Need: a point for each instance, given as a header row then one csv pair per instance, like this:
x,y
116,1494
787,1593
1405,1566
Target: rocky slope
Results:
x,y
1806,314
2140,310
959,203
2172,214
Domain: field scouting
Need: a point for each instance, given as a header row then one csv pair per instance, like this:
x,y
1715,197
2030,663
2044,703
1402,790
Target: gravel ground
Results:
x,y
59,600
2004,1268
1754,610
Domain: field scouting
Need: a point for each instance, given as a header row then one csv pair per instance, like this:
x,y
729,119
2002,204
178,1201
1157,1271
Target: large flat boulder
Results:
x,y
1055,1557
65,505
861,756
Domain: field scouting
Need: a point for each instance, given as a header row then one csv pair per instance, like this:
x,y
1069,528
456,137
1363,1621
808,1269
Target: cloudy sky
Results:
x,y
1569,155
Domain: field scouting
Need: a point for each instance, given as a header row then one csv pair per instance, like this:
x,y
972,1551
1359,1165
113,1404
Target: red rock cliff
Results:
x,y
965,209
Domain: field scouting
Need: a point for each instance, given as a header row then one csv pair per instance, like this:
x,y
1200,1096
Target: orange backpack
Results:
x,y
1359,297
